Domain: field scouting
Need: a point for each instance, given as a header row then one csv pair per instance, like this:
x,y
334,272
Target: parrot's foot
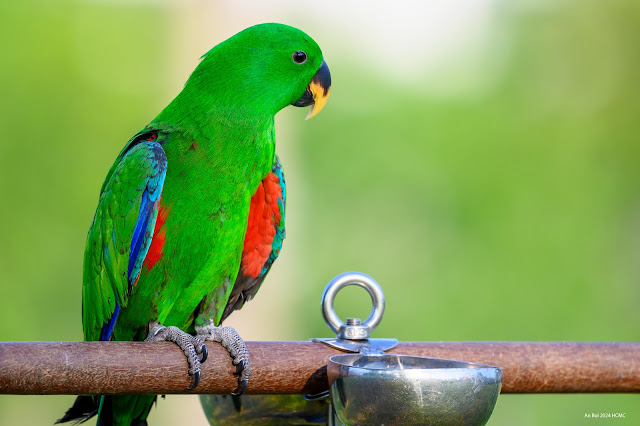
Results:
x,y
233,343
192,346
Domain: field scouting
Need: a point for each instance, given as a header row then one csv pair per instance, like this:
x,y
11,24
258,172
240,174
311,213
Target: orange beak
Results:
x,y
317,91
320,87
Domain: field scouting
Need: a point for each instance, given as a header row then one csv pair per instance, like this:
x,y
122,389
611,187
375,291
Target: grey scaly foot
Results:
x,y
192,346
233,343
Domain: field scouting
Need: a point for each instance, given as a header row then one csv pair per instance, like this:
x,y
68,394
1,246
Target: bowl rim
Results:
x,y
457,364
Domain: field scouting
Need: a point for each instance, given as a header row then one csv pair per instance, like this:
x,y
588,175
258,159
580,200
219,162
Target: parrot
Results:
x,y
191,215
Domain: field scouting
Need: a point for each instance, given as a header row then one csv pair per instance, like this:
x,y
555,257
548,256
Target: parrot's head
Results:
x,y
263,69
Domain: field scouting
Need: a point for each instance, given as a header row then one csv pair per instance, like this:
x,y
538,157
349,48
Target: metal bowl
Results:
x,y
402,390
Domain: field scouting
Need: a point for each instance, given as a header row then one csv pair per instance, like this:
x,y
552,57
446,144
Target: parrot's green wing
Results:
x,y
121,233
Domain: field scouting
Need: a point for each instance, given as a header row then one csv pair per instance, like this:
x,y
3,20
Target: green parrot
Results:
x,y
190,217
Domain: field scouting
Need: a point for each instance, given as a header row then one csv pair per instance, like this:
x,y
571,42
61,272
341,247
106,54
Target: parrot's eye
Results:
x,y
299,57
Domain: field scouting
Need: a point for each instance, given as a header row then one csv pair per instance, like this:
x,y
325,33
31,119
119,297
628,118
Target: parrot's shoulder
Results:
x,y
149,134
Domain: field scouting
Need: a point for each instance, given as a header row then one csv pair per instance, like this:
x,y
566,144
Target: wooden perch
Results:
x,y
299,367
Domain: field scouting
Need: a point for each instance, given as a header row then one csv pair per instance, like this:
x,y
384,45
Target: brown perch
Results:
x,y
299,367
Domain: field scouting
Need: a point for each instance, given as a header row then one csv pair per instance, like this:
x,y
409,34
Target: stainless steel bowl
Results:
x,y
403,390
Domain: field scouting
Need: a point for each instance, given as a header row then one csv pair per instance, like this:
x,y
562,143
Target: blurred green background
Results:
x,y
479,159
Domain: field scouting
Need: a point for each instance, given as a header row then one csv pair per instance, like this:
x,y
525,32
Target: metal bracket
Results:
x,y
366,347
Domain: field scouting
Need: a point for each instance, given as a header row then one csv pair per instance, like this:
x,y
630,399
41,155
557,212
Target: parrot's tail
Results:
x,y
82,410
85,407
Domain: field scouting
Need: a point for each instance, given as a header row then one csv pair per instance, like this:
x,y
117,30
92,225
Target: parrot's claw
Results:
x,y
205,353
239,368
193,347
233,343
196,380
242,383
241,388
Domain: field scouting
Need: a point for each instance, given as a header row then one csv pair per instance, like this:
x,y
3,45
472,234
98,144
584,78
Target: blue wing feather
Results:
x,y
107,329
138,239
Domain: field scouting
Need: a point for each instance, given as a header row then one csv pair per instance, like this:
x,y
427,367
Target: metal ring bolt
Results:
x,y
332,319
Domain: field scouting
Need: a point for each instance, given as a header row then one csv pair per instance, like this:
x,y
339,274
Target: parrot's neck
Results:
x,y
198,108
239,141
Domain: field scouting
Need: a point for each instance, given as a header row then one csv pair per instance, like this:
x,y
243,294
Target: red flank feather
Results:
x,y
157,243
264,215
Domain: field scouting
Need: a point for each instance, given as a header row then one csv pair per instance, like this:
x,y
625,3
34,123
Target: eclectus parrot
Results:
x,y
191,215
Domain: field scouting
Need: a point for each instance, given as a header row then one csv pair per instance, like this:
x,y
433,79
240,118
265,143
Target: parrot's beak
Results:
x,y
317,92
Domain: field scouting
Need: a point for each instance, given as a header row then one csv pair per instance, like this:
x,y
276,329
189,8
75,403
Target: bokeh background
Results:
x,y
479,158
